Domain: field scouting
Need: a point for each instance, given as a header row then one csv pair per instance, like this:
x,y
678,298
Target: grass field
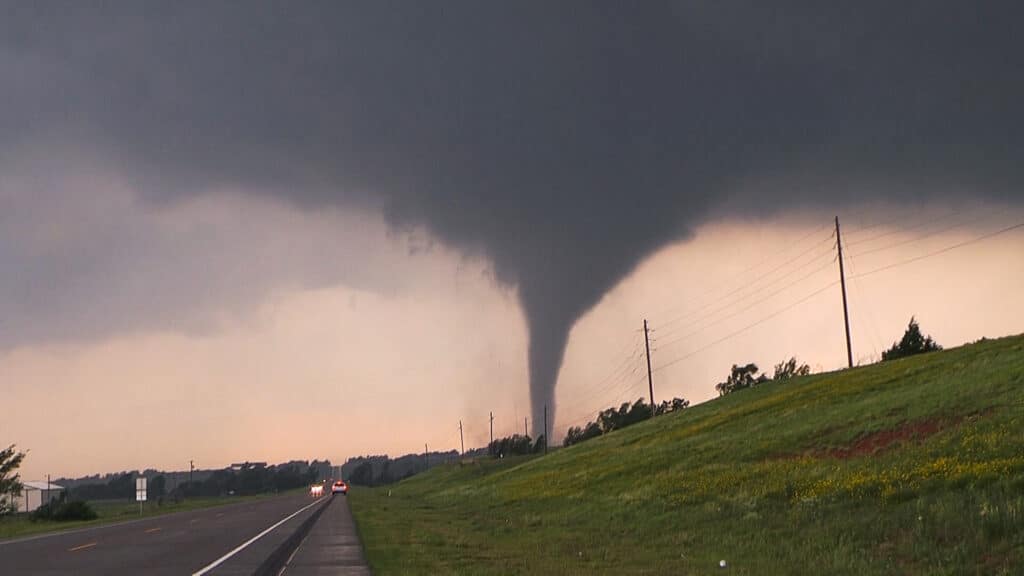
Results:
x,y
910,467
111,511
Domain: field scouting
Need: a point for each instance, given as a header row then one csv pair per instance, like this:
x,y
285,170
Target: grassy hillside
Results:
x,y
913,466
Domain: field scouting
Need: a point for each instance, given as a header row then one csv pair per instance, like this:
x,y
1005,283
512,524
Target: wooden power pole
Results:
x,y
492,427
461,441
842,284
650,379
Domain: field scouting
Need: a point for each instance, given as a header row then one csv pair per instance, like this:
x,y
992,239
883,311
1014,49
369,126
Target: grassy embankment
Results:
x,y
909,467
114,511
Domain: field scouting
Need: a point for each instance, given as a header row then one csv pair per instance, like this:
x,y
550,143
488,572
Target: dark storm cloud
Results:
x,y
563,140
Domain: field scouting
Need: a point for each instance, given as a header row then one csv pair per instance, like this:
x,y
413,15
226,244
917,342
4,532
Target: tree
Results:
x,y
676,404
514,444
626,415
362,474
10,480
615,418
122,486
790,369
158,486
576,434
741,377
913,342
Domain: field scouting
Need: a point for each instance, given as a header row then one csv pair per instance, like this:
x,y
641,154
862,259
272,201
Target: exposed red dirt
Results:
x,y
878,441
874,442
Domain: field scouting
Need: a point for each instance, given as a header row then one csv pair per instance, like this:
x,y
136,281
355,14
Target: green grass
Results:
x,y
113,511
788,478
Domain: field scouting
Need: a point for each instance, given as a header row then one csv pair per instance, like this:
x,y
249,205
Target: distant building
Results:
x,y
35,494
245,465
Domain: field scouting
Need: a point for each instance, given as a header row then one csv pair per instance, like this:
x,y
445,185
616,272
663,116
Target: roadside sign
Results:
x,y
140,489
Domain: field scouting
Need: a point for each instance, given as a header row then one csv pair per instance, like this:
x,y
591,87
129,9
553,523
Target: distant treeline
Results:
x,y
379,470
174,477
246,478
253,480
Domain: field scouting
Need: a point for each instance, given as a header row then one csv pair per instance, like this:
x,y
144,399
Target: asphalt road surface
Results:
x,y
231,539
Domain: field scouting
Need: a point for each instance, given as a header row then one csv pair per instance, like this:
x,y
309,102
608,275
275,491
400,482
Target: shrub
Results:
x,y
75,510
913,342
740,378
64,511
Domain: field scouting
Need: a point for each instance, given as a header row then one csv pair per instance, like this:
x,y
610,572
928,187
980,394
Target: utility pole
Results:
x,y
426,455
492,427
650,380
526,431
545,428
461,441
842,284
190,469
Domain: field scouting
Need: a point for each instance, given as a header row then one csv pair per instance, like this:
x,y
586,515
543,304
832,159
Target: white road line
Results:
x,y
294,552
245,544
79,530
156,518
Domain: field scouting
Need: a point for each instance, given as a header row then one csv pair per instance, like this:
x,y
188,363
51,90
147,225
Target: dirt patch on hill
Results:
x,y
915,431
907,432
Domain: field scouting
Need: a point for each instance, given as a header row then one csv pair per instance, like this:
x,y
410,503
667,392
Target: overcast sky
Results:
x,y
256,225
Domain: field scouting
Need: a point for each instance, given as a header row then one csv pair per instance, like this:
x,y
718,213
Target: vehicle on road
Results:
x,y
316,490
339,487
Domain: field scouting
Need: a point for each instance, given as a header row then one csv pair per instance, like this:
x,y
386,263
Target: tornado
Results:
x,y
561,141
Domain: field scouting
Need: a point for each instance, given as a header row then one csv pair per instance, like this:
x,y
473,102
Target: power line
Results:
x,y
623,368
617,381
748,327
629,384
744,273
624,372
941,251
749,306
759,289
926,235
862,229
592,414
811,295
861,304
604,404
921,224
749,285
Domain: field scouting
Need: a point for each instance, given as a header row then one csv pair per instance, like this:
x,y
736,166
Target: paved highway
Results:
x,y
198,541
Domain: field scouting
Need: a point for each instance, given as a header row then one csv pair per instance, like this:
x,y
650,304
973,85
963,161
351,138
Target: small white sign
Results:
x,y
140,489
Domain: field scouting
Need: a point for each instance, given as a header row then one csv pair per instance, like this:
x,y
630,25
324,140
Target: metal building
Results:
x,y
35,494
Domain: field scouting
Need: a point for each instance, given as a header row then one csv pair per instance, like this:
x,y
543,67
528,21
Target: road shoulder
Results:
x,y
331,547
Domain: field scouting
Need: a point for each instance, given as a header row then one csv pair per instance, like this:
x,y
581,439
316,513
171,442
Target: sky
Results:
x,y
224,233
